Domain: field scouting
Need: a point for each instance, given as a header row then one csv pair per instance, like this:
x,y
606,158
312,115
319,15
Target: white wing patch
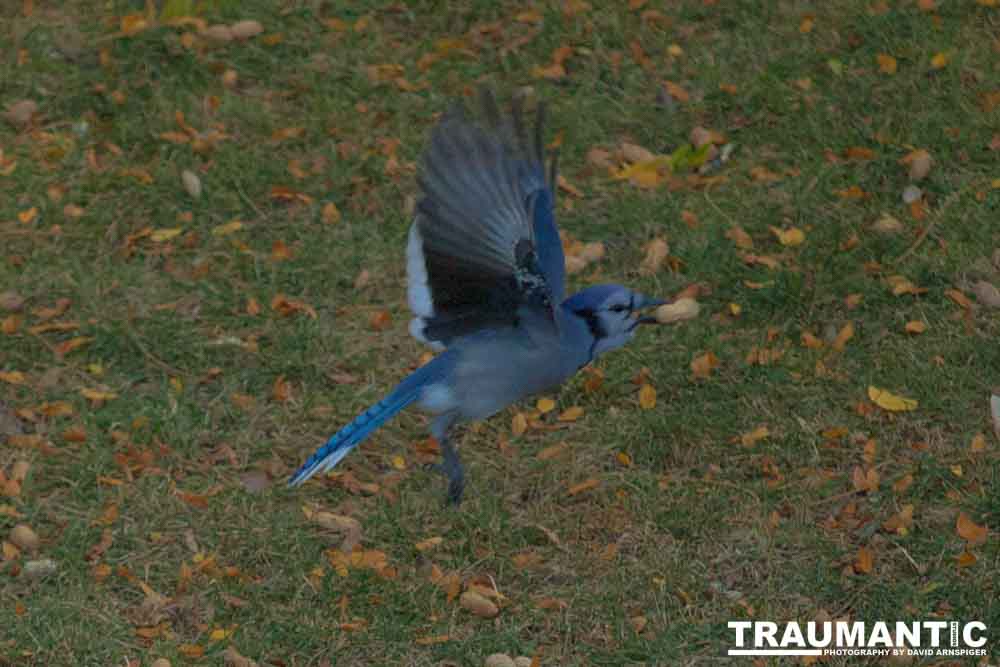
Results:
x,y
418,292
437,398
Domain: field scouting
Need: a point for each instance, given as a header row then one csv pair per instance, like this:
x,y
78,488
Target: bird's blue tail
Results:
x,y
349,437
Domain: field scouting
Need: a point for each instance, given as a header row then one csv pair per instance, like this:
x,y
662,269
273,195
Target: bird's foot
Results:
x,y
451,468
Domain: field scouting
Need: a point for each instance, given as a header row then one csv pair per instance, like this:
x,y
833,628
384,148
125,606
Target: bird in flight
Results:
x,y
486,276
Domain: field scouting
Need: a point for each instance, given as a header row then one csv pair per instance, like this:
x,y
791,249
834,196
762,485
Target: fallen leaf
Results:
x,y
978,444
583,486
887,225
20,113
915,327
959,298
940,60
703,365
676,92
739,237
919,163
12,377
845,334
789,237
281,391
545,405
754,436
864,561
656,254
428,544
967,529
889,401
647,397
886,63
571,414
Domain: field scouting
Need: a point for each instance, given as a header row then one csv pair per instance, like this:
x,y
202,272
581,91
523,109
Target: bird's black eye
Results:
x,y
617,308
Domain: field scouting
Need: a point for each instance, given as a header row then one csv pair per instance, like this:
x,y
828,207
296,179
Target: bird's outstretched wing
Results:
x,y
484,244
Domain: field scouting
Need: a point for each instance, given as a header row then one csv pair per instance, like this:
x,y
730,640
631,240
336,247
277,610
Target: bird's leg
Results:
x,y
450,464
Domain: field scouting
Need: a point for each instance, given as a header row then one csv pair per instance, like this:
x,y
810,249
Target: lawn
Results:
x,y
202,276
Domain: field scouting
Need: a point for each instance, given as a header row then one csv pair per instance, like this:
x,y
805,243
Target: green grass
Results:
x,y
694,532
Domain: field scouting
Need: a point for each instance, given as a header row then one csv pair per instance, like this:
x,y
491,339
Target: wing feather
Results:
x,y
484,244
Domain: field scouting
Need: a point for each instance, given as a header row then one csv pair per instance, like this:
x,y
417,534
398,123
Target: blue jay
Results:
x,y
485,273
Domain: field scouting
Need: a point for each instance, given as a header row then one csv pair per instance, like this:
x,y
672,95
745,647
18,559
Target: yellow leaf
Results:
x,y
519,424
940,60
429,543
915,327
12,377
889,401
807,24
624,459
647,397
969,530
28,215
161,235
789,237
571,414
545,405
228,228
133,23
97,394
645,174
978,443
886,63
398,462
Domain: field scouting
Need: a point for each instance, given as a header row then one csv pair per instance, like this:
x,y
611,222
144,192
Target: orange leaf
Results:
x,y
282,390
864,562
886,63
583,486
846,333
676,92
702,366
969,530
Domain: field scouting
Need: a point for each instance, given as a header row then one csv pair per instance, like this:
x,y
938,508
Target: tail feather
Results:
x,y
352,435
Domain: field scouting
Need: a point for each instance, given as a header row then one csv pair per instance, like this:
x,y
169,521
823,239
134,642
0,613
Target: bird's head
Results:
x,y
612,312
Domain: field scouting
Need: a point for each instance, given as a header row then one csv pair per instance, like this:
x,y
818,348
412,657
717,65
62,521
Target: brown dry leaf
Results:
x,y
552,72
478,605
969,530
281,390
20,113
287,307
600,158
586,485
754,436
887,225
647,397
634,153
380,320
280,252
902,484
966,559
987,294
519,424
245,29
552,452
959,298
656,254
676,92
901,522
737,235
846,333
919,163
428,544
97,395
810,341
864,561
889,401
330,213
67,346
901,285
703,365
865,481
915,327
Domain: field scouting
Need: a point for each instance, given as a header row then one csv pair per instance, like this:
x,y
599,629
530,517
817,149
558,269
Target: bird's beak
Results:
x,y
643,302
